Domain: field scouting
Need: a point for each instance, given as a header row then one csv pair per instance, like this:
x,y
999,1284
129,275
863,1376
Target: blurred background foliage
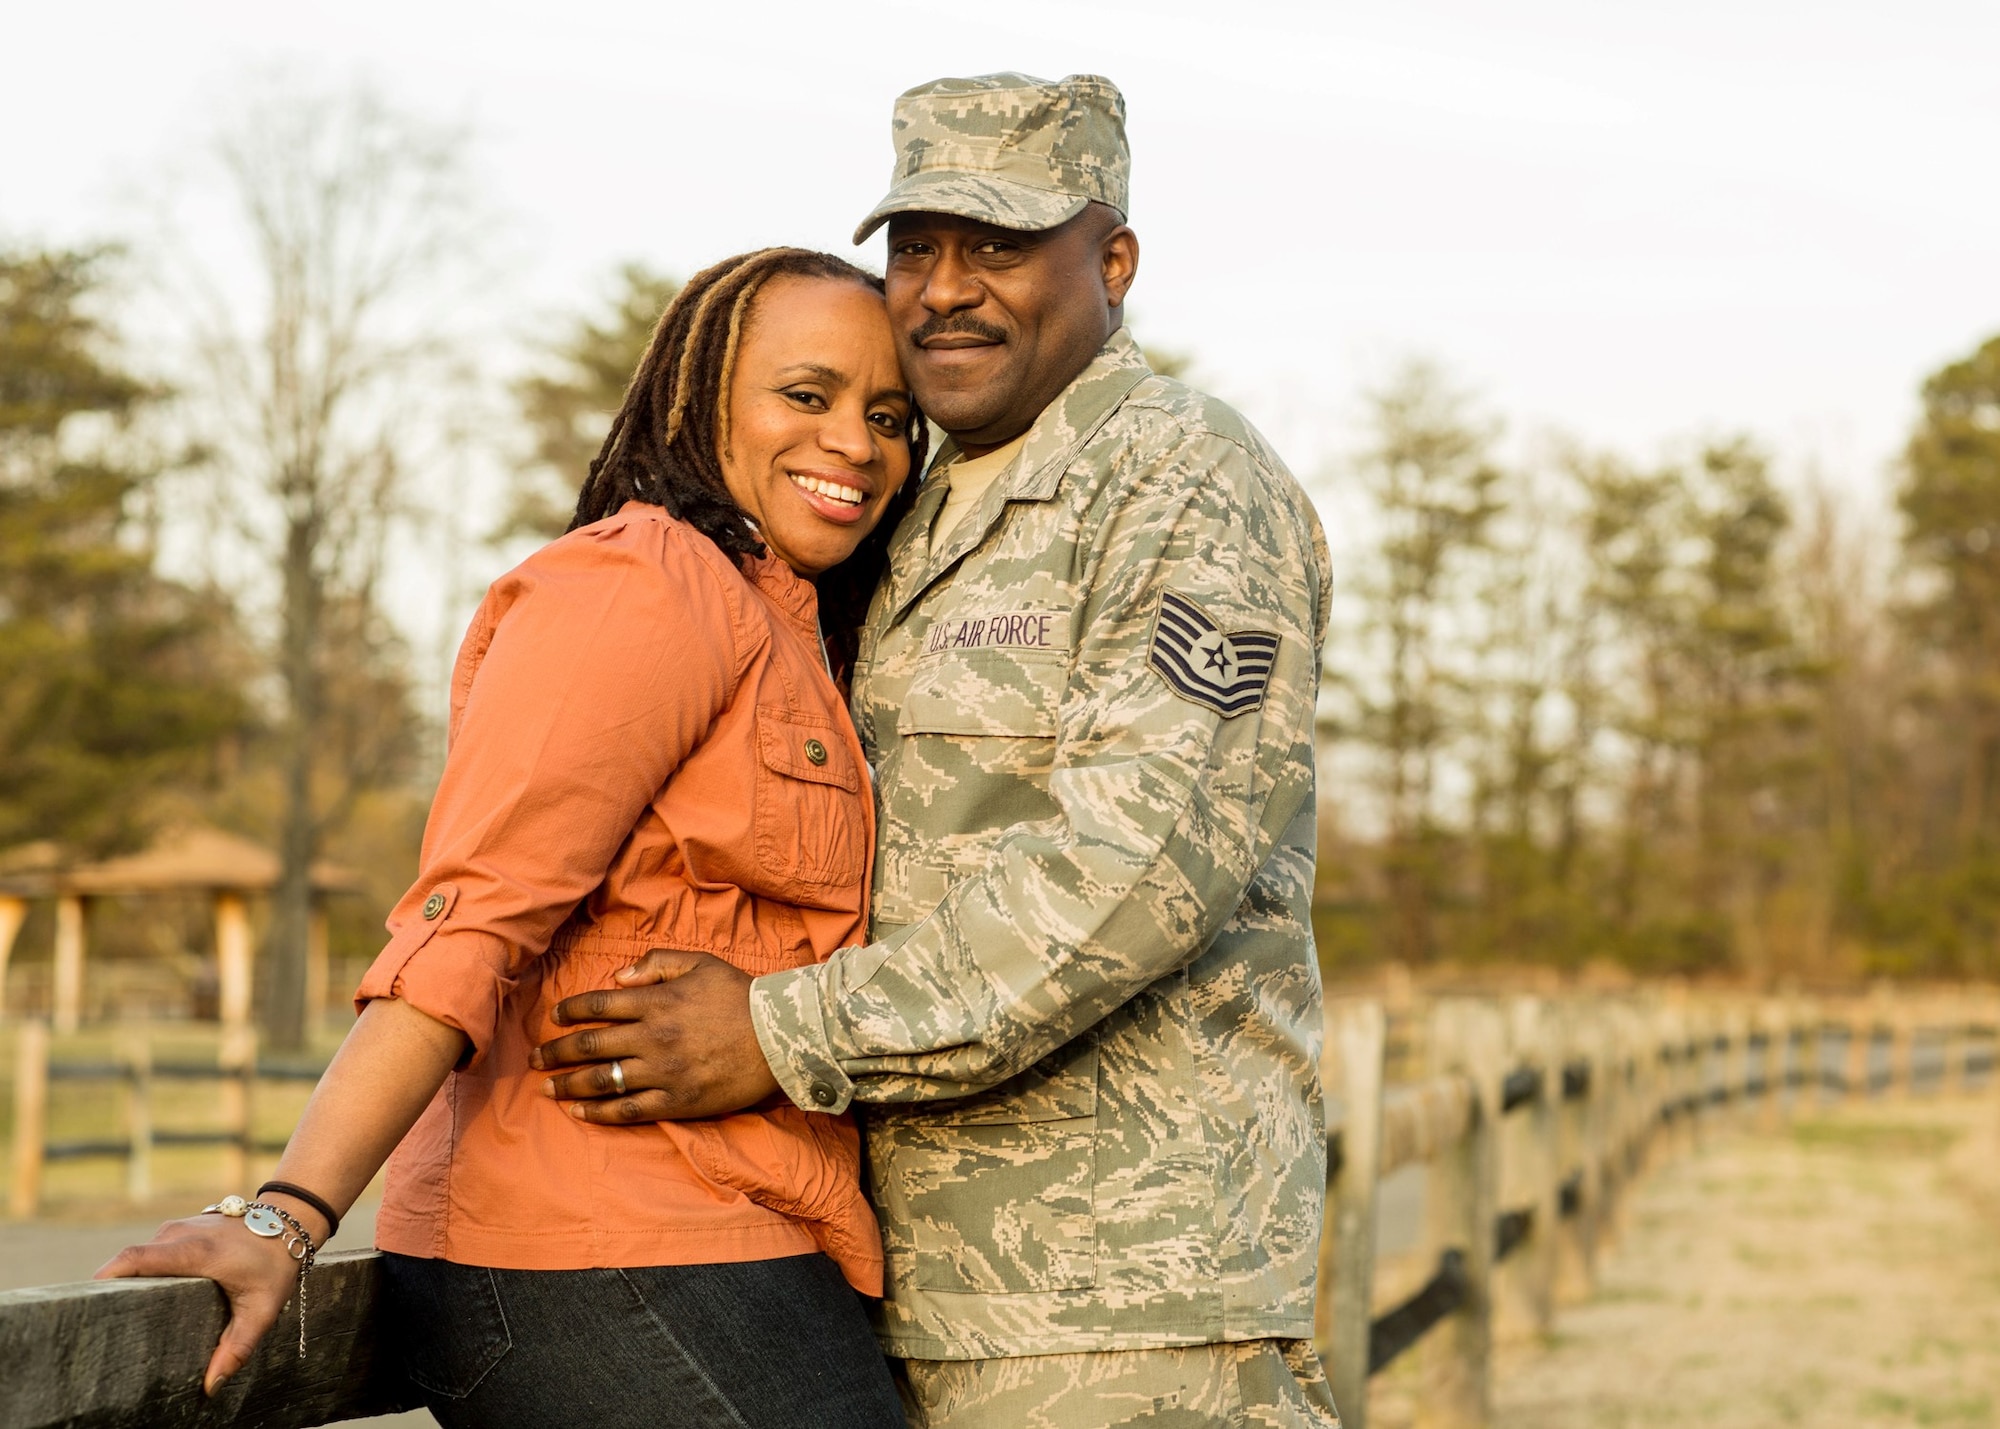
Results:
x,y
1581,708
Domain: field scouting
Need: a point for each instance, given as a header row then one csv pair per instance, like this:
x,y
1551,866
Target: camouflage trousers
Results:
x,y
1254,1384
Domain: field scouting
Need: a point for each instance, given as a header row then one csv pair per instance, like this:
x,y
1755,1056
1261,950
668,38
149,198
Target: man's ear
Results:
x,y
1119,255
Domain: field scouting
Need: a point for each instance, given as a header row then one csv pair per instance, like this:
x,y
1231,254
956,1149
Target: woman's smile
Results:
x,y
835,496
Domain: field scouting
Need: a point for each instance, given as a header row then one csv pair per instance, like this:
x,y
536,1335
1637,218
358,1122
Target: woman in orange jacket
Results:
x,y
649,749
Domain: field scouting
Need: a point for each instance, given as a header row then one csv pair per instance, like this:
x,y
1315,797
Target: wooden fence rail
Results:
x,y
1531,1118
1538,1115
236,1073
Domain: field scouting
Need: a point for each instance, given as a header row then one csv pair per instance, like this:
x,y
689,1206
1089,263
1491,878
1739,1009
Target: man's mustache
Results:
x,y
956,324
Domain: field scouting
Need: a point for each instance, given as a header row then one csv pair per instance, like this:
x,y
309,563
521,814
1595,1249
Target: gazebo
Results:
x,y
198,859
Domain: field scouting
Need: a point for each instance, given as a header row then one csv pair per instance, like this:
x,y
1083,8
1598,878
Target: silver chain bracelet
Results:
x,y
271,1222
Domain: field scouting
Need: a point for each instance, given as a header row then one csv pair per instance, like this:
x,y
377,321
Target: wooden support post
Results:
x,y
1462,1205
139,1117
1902,1071
1860,1049
1779,1021
318,975
31,1109
232,958
1580,1152
1812,1056
1954,1041
70,934
1356,1032
1525,1282
13,913
238,1063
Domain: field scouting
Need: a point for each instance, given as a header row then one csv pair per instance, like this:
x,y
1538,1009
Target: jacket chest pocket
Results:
x,y
996,1192
810,824
990,694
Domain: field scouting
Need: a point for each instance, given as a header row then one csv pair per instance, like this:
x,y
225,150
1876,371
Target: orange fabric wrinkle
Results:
x,y
628,769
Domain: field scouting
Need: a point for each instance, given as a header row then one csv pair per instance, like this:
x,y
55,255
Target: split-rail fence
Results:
x,y
1531,1118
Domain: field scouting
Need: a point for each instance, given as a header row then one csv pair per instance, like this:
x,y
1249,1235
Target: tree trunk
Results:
x,y
298,836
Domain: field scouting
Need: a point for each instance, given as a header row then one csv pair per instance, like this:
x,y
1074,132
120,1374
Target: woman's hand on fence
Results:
x,y
255,1273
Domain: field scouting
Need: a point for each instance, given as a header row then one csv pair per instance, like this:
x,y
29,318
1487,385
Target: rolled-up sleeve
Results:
x,y
607,656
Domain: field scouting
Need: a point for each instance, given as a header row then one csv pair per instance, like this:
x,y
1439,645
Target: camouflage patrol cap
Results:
x,y
1008,149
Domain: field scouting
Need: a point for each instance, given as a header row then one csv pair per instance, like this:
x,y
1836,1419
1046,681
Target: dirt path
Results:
x,y
1845,1273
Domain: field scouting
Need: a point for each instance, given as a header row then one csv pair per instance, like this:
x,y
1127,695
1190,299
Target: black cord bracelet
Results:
x,y
286,1188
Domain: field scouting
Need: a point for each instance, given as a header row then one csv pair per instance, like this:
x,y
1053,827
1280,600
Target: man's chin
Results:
x,y
964,413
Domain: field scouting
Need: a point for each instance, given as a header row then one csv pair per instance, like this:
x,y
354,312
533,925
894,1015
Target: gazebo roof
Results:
x,y
190,857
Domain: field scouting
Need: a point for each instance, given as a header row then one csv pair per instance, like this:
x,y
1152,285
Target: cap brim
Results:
x,y
1002,203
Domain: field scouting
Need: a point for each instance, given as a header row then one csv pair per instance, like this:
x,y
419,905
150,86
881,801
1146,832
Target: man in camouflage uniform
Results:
x,y
1087,1031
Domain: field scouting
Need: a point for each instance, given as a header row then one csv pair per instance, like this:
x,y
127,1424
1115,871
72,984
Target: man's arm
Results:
x,y
1167,808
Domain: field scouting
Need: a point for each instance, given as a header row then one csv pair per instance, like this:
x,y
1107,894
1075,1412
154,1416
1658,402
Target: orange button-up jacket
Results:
x,y
646,752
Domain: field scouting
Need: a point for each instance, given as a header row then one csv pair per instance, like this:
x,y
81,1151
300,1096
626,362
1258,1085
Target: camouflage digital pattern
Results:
x,y
1008,149
1087,1034
1249,1384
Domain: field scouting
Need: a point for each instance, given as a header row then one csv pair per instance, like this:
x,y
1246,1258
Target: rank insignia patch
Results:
x,y
1226,672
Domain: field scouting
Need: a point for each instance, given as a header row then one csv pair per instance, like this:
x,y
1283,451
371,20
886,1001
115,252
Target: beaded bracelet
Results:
x,y
273,1222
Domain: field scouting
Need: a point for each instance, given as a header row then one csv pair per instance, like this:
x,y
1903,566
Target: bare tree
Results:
x,y
327,368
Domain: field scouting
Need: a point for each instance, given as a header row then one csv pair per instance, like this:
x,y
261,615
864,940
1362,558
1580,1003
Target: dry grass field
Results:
x,y
1844,1272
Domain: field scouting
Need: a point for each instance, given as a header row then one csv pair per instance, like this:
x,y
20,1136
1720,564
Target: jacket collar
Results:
x,y
1061,430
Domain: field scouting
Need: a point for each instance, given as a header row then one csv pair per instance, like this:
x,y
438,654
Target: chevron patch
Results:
x,y
1225,672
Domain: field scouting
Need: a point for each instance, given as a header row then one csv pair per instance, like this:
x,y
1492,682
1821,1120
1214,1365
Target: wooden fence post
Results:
x,y
1461,1205
31,1105
1902,1016
1525,1282
1356,1033
1582,1151
1860,1050
139,1117
237,1061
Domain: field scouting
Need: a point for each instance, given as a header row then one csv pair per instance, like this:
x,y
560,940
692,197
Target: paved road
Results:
x,y
1846,1273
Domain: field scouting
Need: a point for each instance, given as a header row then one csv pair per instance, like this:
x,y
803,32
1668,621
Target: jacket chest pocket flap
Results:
x,y
809,819
995,693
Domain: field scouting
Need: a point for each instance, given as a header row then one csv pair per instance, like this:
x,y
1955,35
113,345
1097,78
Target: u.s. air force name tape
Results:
x,y
1225,672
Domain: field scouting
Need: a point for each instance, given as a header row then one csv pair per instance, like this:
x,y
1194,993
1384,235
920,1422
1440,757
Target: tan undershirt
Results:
x,y
969,478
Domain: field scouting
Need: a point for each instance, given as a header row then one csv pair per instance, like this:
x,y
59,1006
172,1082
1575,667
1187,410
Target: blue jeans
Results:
x,y
762,1344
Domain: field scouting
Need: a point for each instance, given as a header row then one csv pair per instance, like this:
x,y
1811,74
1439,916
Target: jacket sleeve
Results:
x,y
612,652
1167,808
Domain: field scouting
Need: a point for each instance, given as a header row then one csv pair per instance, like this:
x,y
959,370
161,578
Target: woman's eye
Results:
x,y
811,400
889,422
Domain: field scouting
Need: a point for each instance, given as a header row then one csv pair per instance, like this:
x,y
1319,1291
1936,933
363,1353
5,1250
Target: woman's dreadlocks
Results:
x,y
665,444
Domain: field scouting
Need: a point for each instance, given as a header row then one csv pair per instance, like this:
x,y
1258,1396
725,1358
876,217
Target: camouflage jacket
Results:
x,y
1087,1032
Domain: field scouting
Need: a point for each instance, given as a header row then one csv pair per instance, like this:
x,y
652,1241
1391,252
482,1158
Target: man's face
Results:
x,y
992,323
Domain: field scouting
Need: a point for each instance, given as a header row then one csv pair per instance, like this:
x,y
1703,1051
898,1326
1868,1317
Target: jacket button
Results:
x,y
822,1094
433,906
815,751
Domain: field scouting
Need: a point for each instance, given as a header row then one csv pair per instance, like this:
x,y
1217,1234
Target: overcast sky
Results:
x,y
1631,221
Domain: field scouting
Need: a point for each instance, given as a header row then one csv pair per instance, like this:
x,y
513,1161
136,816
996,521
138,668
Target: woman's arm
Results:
x,y
385,1074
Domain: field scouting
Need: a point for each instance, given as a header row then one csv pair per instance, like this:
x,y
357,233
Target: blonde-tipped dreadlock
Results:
x,y
665,444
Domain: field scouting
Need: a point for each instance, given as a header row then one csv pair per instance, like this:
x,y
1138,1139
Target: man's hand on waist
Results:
x,y
676,1043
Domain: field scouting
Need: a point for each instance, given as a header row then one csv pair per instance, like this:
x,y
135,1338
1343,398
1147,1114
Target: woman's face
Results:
x,y
817,416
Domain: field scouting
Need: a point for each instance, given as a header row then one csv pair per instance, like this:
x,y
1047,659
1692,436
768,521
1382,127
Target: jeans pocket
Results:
x,y
450,1322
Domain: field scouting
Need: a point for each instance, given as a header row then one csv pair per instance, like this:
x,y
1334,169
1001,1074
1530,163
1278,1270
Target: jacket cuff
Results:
x,y
459,976
788,1012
